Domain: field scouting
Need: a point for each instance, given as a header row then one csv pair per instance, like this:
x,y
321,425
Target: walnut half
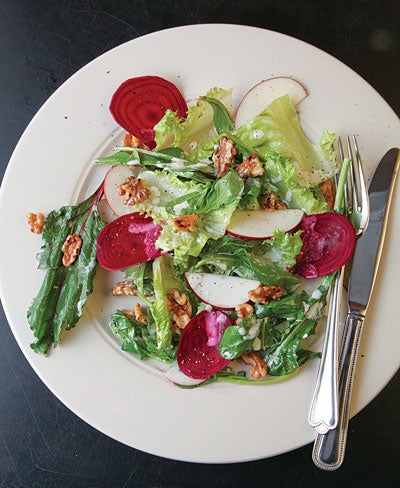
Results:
x,y
186,222
327,188
261,294
123,288
180,308
35,221
137,313
133,191
223,156
71,249
243,310
259,369
271,202
251,166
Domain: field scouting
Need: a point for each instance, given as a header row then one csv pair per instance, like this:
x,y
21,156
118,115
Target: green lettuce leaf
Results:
x,y
284,248
277,129
216,200
165,278
280,177
195,134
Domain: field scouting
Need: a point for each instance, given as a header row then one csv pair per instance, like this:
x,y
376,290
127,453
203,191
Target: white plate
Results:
x,y
51,166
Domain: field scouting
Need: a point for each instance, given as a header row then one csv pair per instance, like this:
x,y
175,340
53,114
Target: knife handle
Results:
x,y
329,448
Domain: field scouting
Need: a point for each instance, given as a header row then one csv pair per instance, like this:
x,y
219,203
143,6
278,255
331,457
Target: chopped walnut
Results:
x,y
186,222
223,156
271,202
261,294
130,140
35,221
133,191
327,188
71,249
124,287
259,369
180,308
243,310
251,166
137,313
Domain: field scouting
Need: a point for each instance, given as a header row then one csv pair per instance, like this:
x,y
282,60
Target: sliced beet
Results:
x,y
126,241
195,358
139,103
328,242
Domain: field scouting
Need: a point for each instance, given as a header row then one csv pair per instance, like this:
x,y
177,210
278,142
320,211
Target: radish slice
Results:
x,y
196,358
261,95
105,211
260,224
328,242
175,375
126,241
115,176
224,292
139,103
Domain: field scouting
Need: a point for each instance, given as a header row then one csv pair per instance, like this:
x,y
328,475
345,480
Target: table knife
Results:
x,y
329,448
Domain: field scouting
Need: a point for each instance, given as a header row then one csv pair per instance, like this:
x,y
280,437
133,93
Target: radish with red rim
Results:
x,y
139,103
115,176
261,224
106,213
261,95
127,241
220,291
328,243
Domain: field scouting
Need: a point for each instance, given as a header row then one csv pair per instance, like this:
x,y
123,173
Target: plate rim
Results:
x,y
8,312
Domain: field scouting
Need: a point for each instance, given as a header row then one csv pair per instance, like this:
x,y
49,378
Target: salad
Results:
x,y
218,218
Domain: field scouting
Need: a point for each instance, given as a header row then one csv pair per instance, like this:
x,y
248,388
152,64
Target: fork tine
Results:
x,y
361,183
359,194
346,195
352,180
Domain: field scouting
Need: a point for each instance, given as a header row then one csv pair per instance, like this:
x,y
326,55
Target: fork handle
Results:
x,y
323,414
329,448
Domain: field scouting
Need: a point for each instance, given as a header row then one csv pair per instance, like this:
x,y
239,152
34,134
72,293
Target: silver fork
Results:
x,y
323,414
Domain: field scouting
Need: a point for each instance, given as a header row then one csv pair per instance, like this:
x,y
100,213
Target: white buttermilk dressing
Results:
x,y
180,206
258,134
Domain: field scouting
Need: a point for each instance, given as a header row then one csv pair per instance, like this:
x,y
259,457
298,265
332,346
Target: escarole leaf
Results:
x,y
278,129
64,291
194,134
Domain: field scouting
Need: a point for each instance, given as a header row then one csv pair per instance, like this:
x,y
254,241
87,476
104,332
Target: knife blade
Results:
x,y
369,246
329,448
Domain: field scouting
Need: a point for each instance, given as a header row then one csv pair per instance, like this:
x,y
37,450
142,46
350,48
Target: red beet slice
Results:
x,y
126,241
139,103
328,242
195,358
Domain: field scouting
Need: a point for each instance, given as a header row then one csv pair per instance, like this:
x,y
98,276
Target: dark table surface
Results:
x,y
43,444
